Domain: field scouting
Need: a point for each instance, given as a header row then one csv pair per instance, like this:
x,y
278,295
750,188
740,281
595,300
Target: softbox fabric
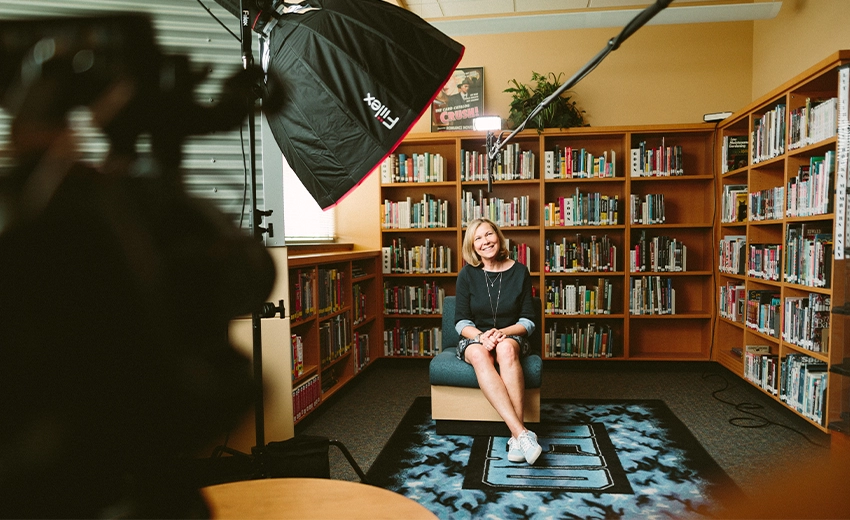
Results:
x,y
356,75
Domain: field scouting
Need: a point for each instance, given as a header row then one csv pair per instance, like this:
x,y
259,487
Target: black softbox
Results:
x,y
356,75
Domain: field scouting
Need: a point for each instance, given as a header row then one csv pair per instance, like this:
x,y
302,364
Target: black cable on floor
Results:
x,y
756,421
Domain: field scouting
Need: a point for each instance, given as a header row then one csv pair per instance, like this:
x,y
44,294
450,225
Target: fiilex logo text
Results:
x,y
382,112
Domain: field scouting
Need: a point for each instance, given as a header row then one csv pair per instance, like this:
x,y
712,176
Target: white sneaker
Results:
x,y
528,444
515,454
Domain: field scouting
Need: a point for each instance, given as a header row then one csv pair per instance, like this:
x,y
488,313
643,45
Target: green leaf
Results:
x,y
562,112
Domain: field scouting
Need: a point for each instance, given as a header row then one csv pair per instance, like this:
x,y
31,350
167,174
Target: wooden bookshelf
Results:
x,y
335,312
689,209
772,175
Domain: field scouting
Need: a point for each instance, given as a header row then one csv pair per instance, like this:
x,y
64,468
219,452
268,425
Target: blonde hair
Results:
x,y
468,247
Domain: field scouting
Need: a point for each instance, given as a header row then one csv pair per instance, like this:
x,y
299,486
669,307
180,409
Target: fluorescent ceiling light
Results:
x,y
596,19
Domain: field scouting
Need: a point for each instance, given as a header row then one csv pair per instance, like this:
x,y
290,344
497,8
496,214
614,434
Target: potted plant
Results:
x,y
562,112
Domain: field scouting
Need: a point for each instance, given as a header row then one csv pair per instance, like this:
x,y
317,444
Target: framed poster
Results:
x,y
460,100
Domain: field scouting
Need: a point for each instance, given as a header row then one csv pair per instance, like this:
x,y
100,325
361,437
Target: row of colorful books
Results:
x,y
334,338
762,368
658,254
768,135
576,340
808,255
306,397
512,163
417,167
297,348
578,163
581,255
647,209
360,346
359,304
429,212
733,203
732,301
504,212
765,261
582,209
330,290
424,259
651,295
519,253
657,161
803,382
414,341
799,380
762,311
733,254
766,204
426,298
578,298
813,122
806,321
302,304
810,191
735,152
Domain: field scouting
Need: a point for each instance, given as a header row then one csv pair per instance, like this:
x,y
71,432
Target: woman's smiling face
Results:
x,y
486,242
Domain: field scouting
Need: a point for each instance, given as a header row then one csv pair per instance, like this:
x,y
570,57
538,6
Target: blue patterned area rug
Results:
x,y
601,459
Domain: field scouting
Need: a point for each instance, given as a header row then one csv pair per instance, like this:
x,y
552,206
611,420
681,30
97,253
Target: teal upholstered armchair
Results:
x,y
457,404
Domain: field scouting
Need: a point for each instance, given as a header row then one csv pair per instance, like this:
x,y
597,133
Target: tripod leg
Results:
x,y
351,460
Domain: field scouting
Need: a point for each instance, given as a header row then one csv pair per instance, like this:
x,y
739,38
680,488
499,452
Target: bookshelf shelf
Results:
x,y
332,314
573,274
309,370
421,275
579,181
815,148
342,358
786,140
333,349
603,228
817,355
337,386
826,217
739,172
612,316
597,180
366,321
732,323
303,320
671,273
424,316
678,316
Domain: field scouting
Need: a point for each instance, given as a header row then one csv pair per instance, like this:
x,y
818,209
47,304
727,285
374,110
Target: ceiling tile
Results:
x,y
424,8
584,19
476,7
526,6
597,4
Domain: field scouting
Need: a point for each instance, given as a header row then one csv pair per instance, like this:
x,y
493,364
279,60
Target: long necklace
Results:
x,y
491,284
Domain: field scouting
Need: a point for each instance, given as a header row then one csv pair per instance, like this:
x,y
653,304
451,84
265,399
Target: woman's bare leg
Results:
x,y
494,387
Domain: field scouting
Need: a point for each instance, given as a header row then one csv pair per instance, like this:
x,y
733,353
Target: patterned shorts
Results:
x,y
465,342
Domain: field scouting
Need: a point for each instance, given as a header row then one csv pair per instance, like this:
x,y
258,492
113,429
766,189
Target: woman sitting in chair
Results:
x,y
494,317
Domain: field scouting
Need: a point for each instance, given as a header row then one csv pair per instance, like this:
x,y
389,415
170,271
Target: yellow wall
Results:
x,y
662,74
804,33
651,78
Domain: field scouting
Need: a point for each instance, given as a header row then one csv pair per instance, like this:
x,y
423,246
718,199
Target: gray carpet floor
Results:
x,y
752,451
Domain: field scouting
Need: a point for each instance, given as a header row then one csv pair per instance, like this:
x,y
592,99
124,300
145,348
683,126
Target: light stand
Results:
x,y
257,232
268,310
494,144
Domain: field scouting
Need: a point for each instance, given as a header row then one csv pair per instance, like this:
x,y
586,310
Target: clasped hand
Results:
x,y
491,338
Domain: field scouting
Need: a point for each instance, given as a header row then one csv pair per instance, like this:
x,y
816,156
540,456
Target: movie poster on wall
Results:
x,y
460,101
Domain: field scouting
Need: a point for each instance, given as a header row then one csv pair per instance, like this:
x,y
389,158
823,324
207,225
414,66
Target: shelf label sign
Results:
x,y
842,231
